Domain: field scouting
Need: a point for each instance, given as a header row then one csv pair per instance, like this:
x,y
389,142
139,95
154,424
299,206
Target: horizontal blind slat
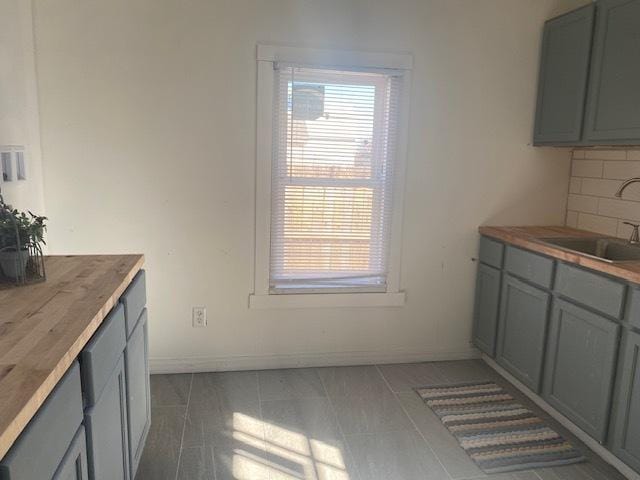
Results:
x,y
333,152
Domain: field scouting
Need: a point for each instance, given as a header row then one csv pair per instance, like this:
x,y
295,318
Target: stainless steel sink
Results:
x,y
603,248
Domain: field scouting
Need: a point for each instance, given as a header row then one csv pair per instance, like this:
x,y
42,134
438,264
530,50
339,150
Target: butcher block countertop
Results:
x,y
532,238
43,328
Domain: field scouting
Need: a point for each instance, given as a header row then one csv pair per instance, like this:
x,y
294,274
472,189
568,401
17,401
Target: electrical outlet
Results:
x,y
199,317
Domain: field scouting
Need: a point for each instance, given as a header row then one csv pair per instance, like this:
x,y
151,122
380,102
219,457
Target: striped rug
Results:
x,y
498,433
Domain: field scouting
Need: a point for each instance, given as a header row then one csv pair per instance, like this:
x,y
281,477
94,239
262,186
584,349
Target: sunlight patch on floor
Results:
x,y
286,455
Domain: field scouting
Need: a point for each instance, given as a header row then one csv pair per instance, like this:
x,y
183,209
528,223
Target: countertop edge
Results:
x,y
530,238
35,402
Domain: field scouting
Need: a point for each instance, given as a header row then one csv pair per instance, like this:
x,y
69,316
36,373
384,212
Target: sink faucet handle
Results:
x,y
635,237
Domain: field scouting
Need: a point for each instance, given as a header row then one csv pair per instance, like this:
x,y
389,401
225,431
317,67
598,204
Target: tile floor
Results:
x,y
343,423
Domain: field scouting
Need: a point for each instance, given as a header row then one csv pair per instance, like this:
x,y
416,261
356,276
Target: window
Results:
x,y
329,165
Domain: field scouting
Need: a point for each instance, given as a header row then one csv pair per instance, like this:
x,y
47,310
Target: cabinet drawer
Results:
x,y
491,252
590,289
101,354
44,443
530,266
134,300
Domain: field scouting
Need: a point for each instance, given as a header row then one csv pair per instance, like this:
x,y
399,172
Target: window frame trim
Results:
x,y
267,55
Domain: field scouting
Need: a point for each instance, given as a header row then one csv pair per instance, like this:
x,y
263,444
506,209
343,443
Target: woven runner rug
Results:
x,y
498,433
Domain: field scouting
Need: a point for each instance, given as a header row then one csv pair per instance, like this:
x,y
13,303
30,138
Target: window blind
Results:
x,y
332,176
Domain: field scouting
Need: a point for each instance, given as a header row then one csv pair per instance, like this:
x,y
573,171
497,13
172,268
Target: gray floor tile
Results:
x,y
400,455
304,440
405,377
196,463
221,405
370,414
454,459
160,457
352,381
302,418
529,475
290,383
581,471
241,458
170,390
462,371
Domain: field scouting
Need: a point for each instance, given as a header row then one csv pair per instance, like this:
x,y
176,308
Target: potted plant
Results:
x,y
19,231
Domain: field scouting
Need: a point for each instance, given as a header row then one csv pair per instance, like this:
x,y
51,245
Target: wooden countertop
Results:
x,y
532,238
43,328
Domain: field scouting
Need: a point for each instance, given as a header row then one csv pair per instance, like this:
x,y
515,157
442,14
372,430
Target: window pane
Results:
x,y
333,138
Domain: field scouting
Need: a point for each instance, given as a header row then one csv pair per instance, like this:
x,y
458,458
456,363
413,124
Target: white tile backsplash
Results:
x,y
582,203
606,154
587,168
595,177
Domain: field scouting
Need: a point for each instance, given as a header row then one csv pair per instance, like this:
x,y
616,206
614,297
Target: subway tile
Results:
x,y
619,209
582,203
578,154
598,224
575,184
633,154
599,187
606,154
621,170
572,219
587,168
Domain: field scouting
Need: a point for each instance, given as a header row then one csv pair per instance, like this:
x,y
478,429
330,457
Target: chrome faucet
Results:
x,y
625,184
635,237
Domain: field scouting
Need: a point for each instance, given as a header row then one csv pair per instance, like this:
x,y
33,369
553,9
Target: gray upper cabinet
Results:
x,y
522,329
579,370
485,317
625,435
613,106
562,81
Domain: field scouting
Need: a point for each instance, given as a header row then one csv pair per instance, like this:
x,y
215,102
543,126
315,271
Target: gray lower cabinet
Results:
x,y
44,444
74,464
613,105
580,364
562,80
522,330
625,433
106,425
138,391
487,300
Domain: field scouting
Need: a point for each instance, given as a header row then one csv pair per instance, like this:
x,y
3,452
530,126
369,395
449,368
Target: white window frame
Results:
x,y
267,55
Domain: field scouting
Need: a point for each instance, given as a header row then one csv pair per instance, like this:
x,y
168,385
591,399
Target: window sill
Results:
x,y
327,300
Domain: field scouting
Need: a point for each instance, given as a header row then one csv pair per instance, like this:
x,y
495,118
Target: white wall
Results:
x,y
19,122
148,122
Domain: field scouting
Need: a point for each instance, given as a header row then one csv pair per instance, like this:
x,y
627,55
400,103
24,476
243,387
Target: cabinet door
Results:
x,y
485,321
579,370
106,424
562,81
625,435
521,331
74,464
138,391
613,106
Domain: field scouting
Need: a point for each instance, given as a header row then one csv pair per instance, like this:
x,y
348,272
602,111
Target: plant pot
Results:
x,y
14,264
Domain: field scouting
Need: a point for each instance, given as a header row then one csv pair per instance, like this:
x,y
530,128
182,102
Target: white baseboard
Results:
x,y
300,360
605,454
